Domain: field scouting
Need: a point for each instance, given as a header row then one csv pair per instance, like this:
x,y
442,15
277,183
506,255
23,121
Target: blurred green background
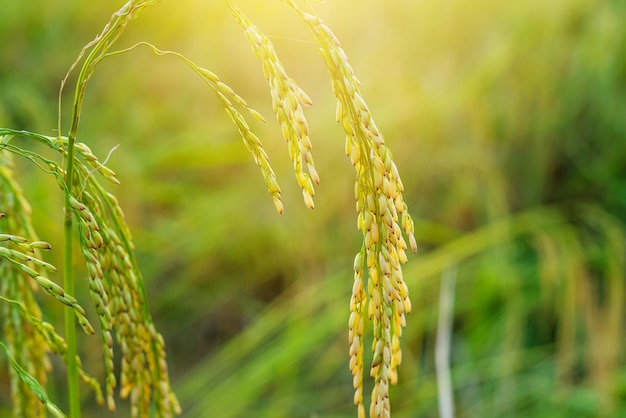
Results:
x,y
508,124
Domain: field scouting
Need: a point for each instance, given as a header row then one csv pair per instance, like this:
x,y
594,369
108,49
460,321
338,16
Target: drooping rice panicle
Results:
x,y
91,241
287,101
117,287
23,271
35,388
114,281
382,217
55,343
230,101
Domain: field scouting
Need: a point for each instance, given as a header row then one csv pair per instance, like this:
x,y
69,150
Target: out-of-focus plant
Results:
x,y
115,282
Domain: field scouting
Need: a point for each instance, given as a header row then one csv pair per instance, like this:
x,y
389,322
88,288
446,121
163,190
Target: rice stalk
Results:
x,y
98,48
106,247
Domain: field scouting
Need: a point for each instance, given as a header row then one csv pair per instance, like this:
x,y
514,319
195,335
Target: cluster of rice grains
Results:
x,y
382,212
115,287
28,338
118,294
287,102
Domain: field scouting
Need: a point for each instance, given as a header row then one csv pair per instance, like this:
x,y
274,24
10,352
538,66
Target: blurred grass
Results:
x,y
507,124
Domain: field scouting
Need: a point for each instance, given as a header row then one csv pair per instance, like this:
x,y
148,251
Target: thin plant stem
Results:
x,y
68,268
98,46
68,284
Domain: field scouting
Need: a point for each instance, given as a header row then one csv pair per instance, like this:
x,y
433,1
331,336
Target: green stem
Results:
x,y
99,47
68,284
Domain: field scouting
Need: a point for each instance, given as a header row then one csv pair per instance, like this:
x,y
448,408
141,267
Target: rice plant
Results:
x,y
506,123
116,288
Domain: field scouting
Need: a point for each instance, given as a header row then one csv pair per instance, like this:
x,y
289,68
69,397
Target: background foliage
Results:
x,y
506,120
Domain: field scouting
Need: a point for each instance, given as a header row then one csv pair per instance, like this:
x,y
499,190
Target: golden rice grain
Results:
x,y
378,192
